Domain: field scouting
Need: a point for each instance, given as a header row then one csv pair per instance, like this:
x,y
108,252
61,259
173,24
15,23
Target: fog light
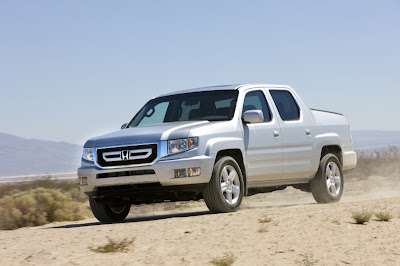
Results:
x,y
194,171
83,181
180,172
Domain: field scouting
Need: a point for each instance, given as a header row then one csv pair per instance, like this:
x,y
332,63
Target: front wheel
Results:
x,y
327,185
224,192
108,213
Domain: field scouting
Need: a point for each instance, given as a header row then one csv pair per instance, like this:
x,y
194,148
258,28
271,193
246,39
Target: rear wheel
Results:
x,y
109,213
224,192
327,185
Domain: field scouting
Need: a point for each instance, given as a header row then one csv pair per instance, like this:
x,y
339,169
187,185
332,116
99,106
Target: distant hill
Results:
x,y
375,140
20,156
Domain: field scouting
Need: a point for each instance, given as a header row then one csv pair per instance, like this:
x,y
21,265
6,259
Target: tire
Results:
x,y
106,213
327,185
224,192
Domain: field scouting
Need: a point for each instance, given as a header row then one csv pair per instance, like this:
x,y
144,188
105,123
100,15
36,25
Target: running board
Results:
x,y
274,183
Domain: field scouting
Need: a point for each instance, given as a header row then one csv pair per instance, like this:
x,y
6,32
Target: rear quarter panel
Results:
x,y
333,129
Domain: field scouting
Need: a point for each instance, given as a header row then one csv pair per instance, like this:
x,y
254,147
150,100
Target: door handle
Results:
x,y
276,133
308,132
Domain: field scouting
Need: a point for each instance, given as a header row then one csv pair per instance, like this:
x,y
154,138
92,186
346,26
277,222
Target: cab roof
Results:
x,y
220,87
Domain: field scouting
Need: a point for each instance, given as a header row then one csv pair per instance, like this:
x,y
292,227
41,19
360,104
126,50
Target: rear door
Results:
x,y
296,133
263,145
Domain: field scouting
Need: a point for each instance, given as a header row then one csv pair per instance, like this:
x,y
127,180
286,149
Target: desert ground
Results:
x,y
281,228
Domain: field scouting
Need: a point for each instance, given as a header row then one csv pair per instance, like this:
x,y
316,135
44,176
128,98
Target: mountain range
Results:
x,y
19,156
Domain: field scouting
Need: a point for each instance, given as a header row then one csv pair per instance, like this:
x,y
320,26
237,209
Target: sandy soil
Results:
x,y
187,234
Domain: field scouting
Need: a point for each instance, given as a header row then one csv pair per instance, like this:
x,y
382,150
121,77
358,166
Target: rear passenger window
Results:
x,y
286,105
255,100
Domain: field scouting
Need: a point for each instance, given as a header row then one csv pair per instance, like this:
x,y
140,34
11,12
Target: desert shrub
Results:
x,y
65,186
362,216
383,216
37,207
226,260
114,246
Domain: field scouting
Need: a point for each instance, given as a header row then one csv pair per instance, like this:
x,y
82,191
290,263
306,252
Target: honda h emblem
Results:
x,y
124,155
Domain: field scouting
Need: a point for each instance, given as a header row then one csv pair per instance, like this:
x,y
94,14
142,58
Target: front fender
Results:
x,y
215,145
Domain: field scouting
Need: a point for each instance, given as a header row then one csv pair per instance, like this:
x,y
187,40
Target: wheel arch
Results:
x,y
238,156
326,143
334,149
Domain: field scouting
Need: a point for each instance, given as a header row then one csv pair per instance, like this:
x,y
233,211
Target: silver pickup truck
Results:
x,y
218,144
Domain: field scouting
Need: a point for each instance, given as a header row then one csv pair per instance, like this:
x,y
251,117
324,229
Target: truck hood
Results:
x,y
145,134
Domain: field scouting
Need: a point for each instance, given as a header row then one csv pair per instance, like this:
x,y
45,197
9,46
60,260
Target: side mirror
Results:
x,y
253,116
124,126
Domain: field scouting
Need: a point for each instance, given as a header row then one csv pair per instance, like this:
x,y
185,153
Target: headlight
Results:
x,y
181,145
87,154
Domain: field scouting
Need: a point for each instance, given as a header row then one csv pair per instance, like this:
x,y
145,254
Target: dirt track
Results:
x,y
187,234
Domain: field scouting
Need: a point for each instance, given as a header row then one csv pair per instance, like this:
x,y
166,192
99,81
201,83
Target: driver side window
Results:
x,y
255,100
155,115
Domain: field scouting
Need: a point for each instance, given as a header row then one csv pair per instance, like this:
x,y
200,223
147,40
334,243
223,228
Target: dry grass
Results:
x,y
384,216
362,216
114,246
380,163
263,229
264,220
37,207
308,260
226,260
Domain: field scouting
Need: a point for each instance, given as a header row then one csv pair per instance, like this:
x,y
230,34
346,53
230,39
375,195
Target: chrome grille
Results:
x,y
114,156
126,155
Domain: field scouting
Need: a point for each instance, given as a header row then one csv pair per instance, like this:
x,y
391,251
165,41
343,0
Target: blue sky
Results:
x,y
70,70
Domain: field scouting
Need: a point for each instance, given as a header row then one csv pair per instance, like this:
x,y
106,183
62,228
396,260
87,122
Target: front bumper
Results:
x,y
163,169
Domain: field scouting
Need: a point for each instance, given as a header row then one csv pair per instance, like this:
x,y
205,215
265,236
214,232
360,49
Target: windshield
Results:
x,y
207,105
